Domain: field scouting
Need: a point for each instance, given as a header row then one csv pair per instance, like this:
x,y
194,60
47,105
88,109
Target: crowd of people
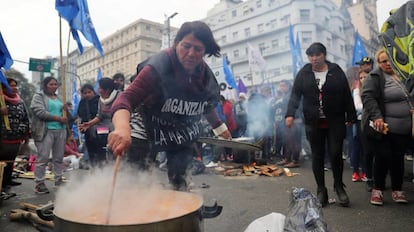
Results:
x,y
174,97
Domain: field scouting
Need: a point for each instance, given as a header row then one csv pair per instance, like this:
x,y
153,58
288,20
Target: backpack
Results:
x,y
397,39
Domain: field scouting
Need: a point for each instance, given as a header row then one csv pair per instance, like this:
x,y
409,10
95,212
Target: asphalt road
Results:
x,y
246,198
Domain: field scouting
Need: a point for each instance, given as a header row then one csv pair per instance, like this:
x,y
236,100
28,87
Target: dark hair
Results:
x,y
202,32
107,83
222,98
87,86
10,80
316,49
47,80
118,76
367,70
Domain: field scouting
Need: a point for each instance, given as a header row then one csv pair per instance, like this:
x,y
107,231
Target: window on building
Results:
x,y
275,43
307,37
262,47
328,42
273,23
236,53
247,32
148,27
224,39
234,13
285,19
258,3
235,35
260,27
304,14
245,12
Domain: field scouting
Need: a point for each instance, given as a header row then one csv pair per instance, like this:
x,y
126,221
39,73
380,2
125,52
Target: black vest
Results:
x,y
175,120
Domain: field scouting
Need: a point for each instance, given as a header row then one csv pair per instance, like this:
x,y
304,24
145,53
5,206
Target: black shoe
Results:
x,y
323,196
14,183
369,185
41,188
343,198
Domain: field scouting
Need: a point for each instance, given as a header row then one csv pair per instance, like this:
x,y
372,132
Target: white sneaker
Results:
x,y
211,164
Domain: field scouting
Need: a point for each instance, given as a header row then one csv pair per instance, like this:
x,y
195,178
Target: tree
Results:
x,y
26,89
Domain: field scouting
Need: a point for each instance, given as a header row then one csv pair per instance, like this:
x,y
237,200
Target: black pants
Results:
x,y
368,148
292,142
389,155
333,137
179,161
8,153
139,154
178,164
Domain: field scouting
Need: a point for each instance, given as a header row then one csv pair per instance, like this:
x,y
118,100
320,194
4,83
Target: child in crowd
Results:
x,y
72,154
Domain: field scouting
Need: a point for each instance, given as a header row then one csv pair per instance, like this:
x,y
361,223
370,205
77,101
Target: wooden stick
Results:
x,y
17,214
22,161
108,214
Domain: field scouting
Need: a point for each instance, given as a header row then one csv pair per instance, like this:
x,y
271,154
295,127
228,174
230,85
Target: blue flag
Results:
x,y
75,100
297,61
76,12
98,77
298,50
68,9
5,62
359,50
227,73
242,87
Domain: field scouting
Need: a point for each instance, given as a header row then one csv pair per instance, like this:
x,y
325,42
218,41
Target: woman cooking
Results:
x,y
172,91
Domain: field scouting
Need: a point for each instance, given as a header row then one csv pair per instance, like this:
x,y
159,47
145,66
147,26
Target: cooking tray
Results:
x,y
230,143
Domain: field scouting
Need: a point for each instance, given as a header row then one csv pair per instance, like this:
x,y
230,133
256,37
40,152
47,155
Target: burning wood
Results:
x,y
253,169
270,170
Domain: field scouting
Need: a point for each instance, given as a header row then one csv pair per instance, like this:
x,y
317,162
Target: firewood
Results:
x,y
18,214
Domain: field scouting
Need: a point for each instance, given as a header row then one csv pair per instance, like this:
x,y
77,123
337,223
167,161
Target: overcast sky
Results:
x,y
30,28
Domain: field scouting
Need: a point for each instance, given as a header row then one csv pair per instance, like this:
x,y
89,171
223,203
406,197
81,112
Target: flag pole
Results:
x,y
61,70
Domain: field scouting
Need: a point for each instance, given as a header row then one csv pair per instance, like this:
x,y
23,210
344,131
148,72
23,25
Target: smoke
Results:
x,y
139,197
258,116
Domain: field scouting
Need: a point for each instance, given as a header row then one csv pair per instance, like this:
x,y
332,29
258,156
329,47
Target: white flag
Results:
x,y
255,58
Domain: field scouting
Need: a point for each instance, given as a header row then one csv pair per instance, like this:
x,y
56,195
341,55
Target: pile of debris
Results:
x,y
250,170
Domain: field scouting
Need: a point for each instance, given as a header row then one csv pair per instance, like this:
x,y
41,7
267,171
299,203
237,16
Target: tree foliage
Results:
x,y
26,89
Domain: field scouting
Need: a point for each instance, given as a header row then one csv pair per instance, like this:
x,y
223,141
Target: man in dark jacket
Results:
x,y
327,107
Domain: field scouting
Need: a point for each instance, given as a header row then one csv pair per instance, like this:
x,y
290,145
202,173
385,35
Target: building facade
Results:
x,y
264,24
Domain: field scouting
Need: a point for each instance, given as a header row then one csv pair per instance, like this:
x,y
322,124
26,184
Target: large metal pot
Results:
x,y
191,221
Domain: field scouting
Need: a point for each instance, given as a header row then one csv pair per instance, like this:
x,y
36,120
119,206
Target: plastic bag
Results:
x,y
272,222
305,213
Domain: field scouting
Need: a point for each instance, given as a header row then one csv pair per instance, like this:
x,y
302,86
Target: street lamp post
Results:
x,y
169,27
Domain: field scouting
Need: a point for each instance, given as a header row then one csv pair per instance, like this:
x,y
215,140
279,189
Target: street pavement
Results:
x,y
246,198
